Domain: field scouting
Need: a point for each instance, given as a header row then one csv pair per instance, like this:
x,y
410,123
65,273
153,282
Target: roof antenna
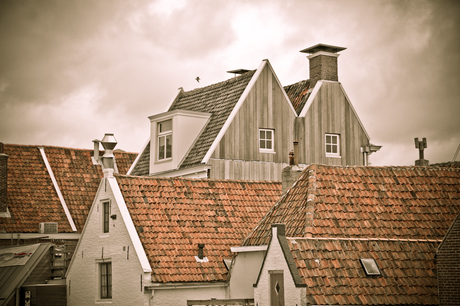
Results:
x,y
456,153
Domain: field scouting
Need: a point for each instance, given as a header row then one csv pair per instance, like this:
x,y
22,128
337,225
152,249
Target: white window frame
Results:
x,y
163,135
265,140
332,144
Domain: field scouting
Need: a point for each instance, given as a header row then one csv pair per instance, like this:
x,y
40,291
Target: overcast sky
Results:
x,y
71,71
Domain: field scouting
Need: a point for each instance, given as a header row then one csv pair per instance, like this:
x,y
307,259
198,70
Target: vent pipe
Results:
x,y
96,149
108,142
200,251
296,152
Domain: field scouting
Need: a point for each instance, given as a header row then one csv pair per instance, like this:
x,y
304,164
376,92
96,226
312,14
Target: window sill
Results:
x,y
162,161
267,151
334,156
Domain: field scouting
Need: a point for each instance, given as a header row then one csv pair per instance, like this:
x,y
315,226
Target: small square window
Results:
x,y
332,145
370,267
266,140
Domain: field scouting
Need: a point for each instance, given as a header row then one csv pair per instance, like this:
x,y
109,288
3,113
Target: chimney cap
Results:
x,y
322,47
238,71
109,142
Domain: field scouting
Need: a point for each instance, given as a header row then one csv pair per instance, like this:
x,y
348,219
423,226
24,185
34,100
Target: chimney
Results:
x,y
290,173
3,180
108,160
323,63
96,150
421,145
200,251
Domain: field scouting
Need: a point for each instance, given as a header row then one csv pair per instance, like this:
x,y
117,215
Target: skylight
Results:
x,y
370,267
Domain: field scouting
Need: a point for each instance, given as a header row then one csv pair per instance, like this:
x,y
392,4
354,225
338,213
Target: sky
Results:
x,y
71,71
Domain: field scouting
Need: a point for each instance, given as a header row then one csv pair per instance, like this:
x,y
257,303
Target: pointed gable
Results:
x,y
174,215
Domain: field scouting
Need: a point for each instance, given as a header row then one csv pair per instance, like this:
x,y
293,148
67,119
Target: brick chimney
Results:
x,y
3,179
323,63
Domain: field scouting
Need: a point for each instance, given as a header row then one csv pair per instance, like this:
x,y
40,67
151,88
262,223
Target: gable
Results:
x,y
264,105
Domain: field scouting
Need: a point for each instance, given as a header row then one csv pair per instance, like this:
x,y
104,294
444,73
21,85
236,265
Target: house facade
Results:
x,y
163,241
360,236
245,127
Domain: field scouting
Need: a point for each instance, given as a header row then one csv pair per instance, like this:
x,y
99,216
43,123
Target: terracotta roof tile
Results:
x,y
181,213
333,273
387,202
31,195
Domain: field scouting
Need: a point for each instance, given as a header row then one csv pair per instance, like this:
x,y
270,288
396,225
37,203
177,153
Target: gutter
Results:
x,y
183,286
58,191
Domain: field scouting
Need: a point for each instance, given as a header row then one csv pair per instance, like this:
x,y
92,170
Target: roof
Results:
x,y
218,99
366,202
32,197
17,264
332,271
173,215
298,94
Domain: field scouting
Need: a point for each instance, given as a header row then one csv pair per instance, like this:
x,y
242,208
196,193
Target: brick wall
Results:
x,y
448,266
323,67
3,179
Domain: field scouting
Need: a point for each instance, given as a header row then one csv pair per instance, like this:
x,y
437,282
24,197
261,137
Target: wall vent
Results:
x,y
48,228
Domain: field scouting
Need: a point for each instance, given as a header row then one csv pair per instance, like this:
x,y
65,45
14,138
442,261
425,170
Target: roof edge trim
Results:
x,y
235,110
354,111
282,88
129,224
58,190
138,157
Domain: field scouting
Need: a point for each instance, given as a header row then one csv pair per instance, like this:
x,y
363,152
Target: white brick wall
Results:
x,y
116,246
275,261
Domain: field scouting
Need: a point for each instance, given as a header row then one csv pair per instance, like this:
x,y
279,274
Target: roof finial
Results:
x,y
421,146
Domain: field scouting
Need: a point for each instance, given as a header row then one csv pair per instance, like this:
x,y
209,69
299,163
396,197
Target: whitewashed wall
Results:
x,y
96,246
244,274
275,261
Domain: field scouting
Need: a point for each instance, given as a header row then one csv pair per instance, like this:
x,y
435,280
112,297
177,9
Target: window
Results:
x,y
370,267
332,145
105,216
165,139
266,140
106,280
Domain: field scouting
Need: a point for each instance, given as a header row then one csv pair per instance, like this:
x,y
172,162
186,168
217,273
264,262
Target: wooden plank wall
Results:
x,y
264,107
330,112
246,170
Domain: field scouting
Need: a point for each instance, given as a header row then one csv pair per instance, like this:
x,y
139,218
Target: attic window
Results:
x,y
165,139
370,267
266,140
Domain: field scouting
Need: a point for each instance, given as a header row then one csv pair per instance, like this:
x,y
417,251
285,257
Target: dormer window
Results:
x,y
266,140
165,139
332,145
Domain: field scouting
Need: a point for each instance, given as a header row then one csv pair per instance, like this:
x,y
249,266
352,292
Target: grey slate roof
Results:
x,y
298,94
219,100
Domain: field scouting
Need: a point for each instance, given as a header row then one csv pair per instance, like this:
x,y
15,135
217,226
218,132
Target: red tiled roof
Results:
x,y
174,215
367,202
333,273
31,195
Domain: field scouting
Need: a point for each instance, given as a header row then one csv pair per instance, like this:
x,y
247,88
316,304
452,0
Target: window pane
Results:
x,y
269,135
161,147
269,144
262,135
262,144
334,149
328,148
165,126
168,146
328,139
334,139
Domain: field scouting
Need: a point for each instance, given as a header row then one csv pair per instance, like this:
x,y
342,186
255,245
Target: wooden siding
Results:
x,y
330,112
265,107
245,170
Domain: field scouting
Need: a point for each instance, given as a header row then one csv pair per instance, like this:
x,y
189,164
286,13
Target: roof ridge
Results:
x,y
58,147
365,239
218,84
